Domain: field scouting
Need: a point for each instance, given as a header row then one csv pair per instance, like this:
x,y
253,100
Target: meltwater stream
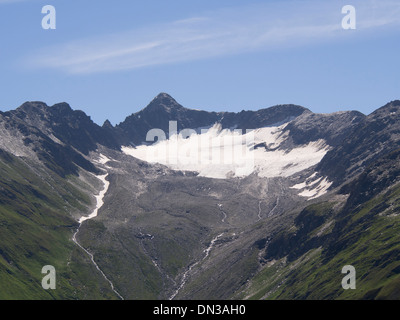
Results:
x,y
99,204
185,275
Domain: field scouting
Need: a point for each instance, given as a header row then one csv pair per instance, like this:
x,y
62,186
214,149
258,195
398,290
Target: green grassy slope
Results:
x,y
36,229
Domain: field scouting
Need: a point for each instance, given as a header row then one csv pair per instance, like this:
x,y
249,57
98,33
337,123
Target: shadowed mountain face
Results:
x,y
325,187
58,136
164,109
73,128
332,127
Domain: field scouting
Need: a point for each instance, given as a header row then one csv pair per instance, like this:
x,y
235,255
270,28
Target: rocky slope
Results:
x,y
359,226
375,136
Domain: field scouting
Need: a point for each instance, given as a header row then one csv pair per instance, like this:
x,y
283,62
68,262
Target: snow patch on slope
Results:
x,y
99,199
103,159
311,188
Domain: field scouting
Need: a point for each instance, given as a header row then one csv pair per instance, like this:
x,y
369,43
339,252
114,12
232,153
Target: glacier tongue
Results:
x,y
222,154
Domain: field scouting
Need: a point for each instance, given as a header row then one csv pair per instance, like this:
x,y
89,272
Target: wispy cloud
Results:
x,y
230,31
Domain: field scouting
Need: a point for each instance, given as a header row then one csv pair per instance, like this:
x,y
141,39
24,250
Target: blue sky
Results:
x,y
110,58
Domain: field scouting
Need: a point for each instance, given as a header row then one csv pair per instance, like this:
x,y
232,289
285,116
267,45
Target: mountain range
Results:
x,y
323,192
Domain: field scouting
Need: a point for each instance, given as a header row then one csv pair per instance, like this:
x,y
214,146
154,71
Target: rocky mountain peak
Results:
x,y
107,125
162,102
31,107
62,107
164,97
389,109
